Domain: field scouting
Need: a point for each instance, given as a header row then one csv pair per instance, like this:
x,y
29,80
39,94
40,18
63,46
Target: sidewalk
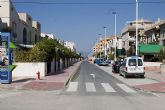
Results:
x,y
153,81
153,87
53,82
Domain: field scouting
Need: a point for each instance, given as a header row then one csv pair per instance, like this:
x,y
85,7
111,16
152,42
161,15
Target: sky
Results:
x,y
82,23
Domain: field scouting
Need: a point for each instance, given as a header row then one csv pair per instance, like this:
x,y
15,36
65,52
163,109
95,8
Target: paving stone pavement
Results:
x,y
52,82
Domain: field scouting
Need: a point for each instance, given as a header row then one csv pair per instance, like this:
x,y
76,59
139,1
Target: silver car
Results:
x,y
132,66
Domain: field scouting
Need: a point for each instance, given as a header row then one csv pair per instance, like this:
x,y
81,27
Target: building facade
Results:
x,y
129,32
106,46
70,45
155,34
21,25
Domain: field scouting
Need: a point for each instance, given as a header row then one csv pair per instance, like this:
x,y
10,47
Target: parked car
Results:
x,y
103,63
132,66
116,66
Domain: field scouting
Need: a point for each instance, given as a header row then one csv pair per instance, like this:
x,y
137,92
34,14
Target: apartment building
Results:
x,y
129,32
23,29
70,45
50,36
107,45
155,34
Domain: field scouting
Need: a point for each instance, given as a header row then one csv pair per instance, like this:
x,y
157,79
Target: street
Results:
x,y
91,89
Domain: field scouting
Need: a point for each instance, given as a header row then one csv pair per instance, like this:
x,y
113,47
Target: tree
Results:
x,y
45,51
111,56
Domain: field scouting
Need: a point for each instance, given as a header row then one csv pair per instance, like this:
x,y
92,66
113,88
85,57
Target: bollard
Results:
x,y
38,76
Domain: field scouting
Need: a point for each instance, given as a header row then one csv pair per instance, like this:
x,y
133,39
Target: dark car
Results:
x,y
116,66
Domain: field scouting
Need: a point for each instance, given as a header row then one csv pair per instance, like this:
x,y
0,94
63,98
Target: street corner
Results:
x,y
74,72
17,83
154,87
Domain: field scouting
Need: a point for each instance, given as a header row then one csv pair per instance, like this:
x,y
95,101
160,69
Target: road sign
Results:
x,y
5,58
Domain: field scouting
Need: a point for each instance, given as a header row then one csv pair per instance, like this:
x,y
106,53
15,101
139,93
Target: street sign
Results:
x,y
5,58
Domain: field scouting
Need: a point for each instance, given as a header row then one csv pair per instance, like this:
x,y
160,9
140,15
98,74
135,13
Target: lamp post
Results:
x,y
105,48
136,27
115,37
99,46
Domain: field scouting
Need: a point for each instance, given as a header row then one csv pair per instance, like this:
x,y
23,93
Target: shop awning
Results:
x,y
149,48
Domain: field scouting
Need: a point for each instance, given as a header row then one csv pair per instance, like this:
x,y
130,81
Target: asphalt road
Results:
x,y
91,80
85,92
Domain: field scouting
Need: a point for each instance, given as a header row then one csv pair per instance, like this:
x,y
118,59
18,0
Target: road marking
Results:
x,y
72,87
107,87
93,75
126,88
90,87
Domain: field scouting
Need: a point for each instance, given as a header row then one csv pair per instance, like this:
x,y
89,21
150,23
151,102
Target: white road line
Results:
x,y
126,88
107,87
90,87
72,87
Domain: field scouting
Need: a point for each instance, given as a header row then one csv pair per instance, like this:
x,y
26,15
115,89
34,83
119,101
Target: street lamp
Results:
x,y
136,27
99,46
105,48
115,36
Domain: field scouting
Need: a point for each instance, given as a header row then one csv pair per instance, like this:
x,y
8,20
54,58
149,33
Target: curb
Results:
x,y
145,90
73,74
141,89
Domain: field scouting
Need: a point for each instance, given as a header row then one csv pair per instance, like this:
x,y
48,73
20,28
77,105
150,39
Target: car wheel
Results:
x,y
142,76
120,73
112,71
125,76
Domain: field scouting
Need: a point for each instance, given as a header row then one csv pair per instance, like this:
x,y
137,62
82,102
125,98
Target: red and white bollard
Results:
x,y
38,75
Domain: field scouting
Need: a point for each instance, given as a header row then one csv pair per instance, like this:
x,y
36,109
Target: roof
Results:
x,y
133,57
149,48
142,21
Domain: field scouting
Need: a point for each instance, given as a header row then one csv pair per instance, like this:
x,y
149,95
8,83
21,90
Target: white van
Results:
x,y
132,66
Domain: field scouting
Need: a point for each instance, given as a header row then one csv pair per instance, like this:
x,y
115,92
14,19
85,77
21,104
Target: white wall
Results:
x,y
29,69
4,11
152,64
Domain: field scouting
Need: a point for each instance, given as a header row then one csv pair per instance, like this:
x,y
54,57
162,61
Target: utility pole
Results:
x,y
115,37
136,27
105,48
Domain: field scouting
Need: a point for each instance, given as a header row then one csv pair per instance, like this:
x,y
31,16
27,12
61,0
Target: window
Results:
x,y
132,62
24,36
140,63
164,42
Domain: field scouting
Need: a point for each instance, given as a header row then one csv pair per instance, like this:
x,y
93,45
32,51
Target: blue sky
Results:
x,y
82,23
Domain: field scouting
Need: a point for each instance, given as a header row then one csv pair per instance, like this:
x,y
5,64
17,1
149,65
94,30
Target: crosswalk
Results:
x,y
107,88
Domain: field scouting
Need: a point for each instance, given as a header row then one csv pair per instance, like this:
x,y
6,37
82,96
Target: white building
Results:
x,y
70,45
24,30
129,31
51,36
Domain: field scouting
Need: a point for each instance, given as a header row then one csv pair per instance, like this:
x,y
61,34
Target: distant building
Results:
x,y
155,34
108,44
129,31
70,45
51,36
23,29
